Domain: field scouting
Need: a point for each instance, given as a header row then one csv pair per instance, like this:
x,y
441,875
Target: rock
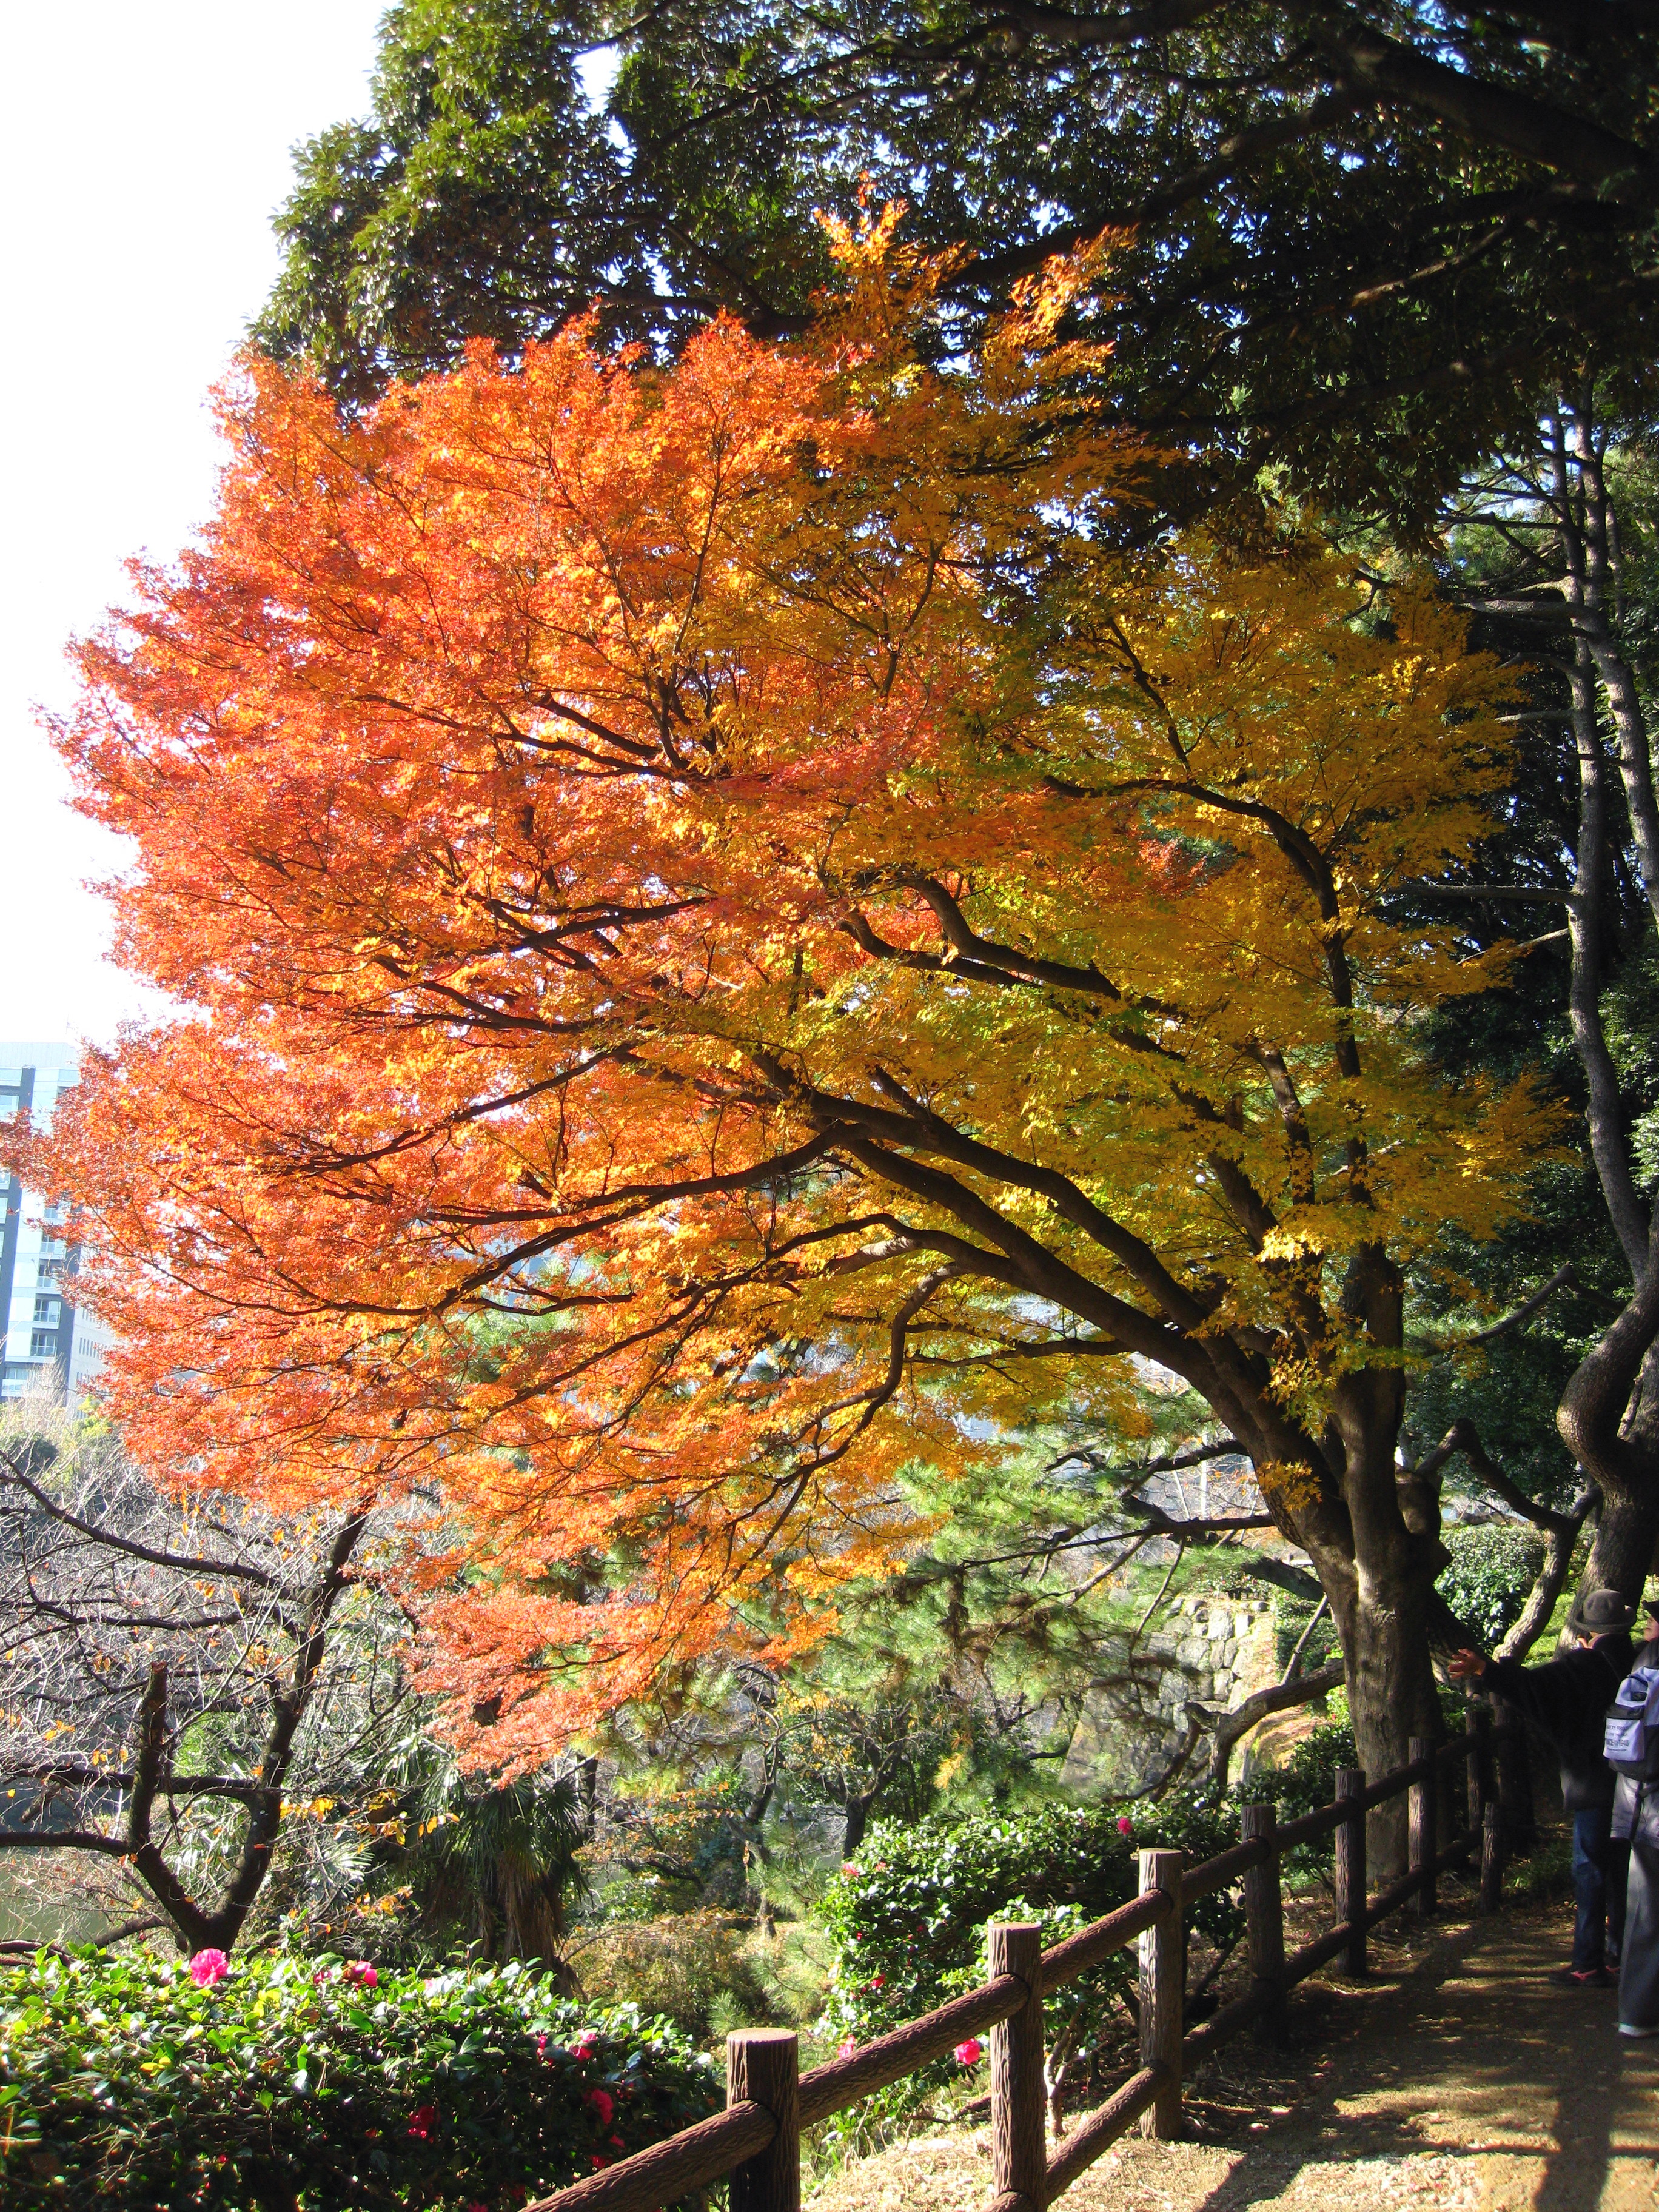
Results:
x,y
1115,1750
1255,1664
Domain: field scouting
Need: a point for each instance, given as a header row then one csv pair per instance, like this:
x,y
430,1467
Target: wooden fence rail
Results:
x,y
756,2141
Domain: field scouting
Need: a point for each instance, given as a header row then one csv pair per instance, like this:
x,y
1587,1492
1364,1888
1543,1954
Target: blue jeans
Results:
x,y
1600,1866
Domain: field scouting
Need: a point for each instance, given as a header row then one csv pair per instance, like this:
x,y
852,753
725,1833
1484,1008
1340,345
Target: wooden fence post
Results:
x,y
1161,2023
1351,1869
1264,1916
1423,1829
1019,2150
763,2067
1492,1822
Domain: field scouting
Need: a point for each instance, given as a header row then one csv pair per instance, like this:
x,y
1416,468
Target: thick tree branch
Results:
x,y
1488,113
1463,1437
1278,1697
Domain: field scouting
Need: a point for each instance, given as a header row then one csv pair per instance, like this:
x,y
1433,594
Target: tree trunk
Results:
x,y
1610,1413
1621,1554
857,1811
1391,1698
1609,1420
1382,1594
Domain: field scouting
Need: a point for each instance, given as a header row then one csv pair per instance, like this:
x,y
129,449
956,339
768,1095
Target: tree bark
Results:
x,y
1609,1417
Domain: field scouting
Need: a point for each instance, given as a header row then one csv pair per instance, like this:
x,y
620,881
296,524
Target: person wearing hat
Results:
x,y
1566,1699
1636,1830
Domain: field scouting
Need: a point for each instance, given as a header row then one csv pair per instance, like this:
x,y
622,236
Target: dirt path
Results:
x,y
1463,2082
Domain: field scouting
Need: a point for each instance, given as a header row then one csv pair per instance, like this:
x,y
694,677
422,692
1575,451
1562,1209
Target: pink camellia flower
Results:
x,y
1126,1826
845,2048
603,2103
849,1868
360,1971
586,2044
422,2121
207,1967
969,2053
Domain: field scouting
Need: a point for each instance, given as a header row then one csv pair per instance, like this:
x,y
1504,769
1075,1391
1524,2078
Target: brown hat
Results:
x,y
1599,1613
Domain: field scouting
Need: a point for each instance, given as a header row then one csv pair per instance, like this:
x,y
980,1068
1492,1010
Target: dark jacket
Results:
x,y
1566,1699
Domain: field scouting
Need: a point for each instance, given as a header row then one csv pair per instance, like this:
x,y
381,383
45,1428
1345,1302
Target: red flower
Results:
x,y
617,2143
360,1971
421,2122
603,2104
1126,1826
877,1980
969,2053
845,2050
207,1967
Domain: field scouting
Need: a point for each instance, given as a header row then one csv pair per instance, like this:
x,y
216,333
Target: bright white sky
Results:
x,y
146,144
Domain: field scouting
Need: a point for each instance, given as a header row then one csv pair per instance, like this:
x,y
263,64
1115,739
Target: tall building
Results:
x,y
50,1343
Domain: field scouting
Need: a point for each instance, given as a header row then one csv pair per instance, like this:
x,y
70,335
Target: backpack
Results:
x,y
1631,1744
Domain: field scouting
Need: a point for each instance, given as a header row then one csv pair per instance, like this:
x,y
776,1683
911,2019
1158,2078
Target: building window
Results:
x,y
43,1344
49,1271
48,1309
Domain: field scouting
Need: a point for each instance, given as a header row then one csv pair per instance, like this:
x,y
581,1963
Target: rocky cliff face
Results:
x,y
1135,1718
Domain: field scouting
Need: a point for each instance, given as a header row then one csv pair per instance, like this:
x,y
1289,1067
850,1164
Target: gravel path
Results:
x,y
1460,2080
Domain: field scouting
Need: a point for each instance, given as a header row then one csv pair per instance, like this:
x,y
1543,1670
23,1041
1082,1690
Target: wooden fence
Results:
x,y
756,2141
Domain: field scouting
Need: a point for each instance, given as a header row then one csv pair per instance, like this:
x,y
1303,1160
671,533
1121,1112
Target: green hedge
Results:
x,y
292,2085
909,1914
1490,1576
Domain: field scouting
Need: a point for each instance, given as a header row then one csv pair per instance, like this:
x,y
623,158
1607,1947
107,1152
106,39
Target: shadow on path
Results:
x,y
1474,2083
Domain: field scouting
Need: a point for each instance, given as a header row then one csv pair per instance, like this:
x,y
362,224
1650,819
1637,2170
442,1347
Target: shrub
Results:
x,y
909,1915
129,2083
680,1966
1491,1573
1306,1781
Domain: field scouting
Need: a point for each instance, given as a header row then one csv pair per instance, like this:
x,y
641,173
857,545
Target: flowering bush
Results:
x,y
909,1915
267,2081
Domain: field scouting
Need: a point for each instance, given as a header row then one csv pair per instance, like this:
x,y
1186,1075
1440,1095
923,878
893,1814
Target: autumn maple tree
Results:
x,y
736,933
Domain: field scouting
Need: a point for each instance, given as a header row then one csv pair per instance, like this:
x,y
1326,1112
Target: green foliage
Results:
x,y
692,1968
474,199
1491,1571
125,2085
1306,1781
483,194
908,1916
